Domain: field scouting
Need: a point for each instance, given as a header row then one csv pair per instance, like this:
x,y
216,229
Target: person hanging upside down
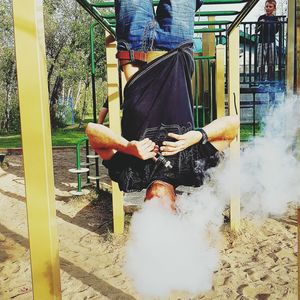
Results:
x,y
159,148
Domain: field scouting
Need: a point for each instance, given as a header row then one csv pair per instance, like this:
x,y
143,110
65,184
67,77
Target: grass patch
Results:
x,y
247,131
68,136
10,141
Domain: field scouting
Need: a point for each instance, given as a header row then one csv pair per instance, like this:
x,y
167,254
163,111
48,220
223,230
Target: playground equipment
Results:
x,y
79,169
37,152
2,162
107,21
37,148
84,167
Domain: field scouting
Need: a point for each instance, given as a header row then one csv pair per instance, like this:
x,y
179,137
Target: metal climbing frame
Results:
x,y
103,13
37,148
37,154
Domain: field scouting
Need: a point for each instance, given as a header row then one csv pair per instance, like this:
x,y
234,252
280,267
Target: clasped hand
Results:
x,y
146,149
182,141
143,149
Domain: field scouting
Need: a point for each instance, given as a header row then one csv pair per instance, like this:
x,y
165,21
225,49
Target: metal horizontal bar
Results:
x,y
209,2
244,12
217,22
155,3
204,30
197,14
204,57
96,15
216,13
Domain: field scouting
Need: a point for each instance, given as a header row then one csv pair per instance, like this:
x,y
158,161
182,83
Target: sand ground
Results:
x,y
260,262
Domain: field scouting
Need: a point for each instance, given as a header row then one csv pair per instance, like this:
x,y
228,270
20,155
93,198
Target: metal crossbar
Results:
x,y
107,20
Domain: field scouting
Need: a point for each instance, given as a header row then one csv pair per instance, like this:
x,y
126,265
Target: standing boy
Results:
x,y
267,29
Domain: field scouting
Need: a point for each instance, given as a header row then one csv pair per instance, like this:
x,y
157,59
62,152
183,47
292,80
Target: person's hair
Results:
x,y
160,189
271,2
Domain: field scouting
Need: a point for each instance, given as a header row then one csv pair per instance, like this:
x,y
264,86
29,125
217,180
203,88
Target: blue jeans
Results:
x,y
139,29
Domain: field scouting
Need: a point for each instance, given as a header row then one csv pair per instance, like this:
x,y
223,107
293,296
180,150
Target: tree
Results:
x,y
9,116
67,53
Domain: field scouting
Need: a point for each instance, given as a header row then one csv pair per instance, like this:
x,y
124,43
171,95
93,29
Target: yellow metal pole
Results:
x,y
208,49
234,107
297,89
37,148
115,125
290,65
297,47
298,220
220,80
208,40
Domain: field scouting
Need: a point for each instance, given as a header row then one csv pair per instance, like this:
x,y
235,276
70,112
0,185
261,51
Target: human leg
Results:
x,y
139,31
175,23
271,61
261,61
134,31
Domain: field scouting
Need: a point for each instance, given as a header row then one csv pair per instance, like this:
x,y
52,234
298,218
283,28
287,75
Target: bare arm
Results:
x,y
102,115
103,139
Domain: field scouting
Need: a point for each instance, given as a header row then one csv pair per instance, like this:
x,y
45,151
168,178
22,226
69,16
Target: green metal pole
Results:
x,y
92,39
78,161
196,94
78,166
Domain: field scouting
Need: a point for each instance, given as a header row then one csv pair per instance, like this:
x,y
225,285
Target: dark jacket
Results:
x,y
267,28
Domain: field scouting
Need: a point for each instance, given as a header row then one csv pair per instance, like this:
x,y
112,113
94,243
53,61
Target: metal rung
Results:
x,y
77,193
216,22
155,2
78,171
198,14
216,13
209,30
85,164
92,156
94,177
105,187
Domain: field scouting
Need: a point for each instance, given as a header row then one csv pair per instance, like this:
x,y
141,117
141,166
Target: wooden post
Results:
x,y
208,49
220,80
234,108
298,220
297,47
297,90
290,65
115,125
37,148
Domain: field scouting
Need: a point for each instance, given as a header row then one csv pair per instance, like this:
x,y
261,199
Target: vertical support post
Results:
x,y
37,148
298,221
220,80
209,40
297,47
234,108
290,65
92,39
115,125
297,89
208,49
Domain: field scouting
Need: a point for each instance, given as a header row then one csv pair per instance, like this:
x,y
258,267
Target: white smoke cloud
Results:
x,y
178,252
171,252
269,168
